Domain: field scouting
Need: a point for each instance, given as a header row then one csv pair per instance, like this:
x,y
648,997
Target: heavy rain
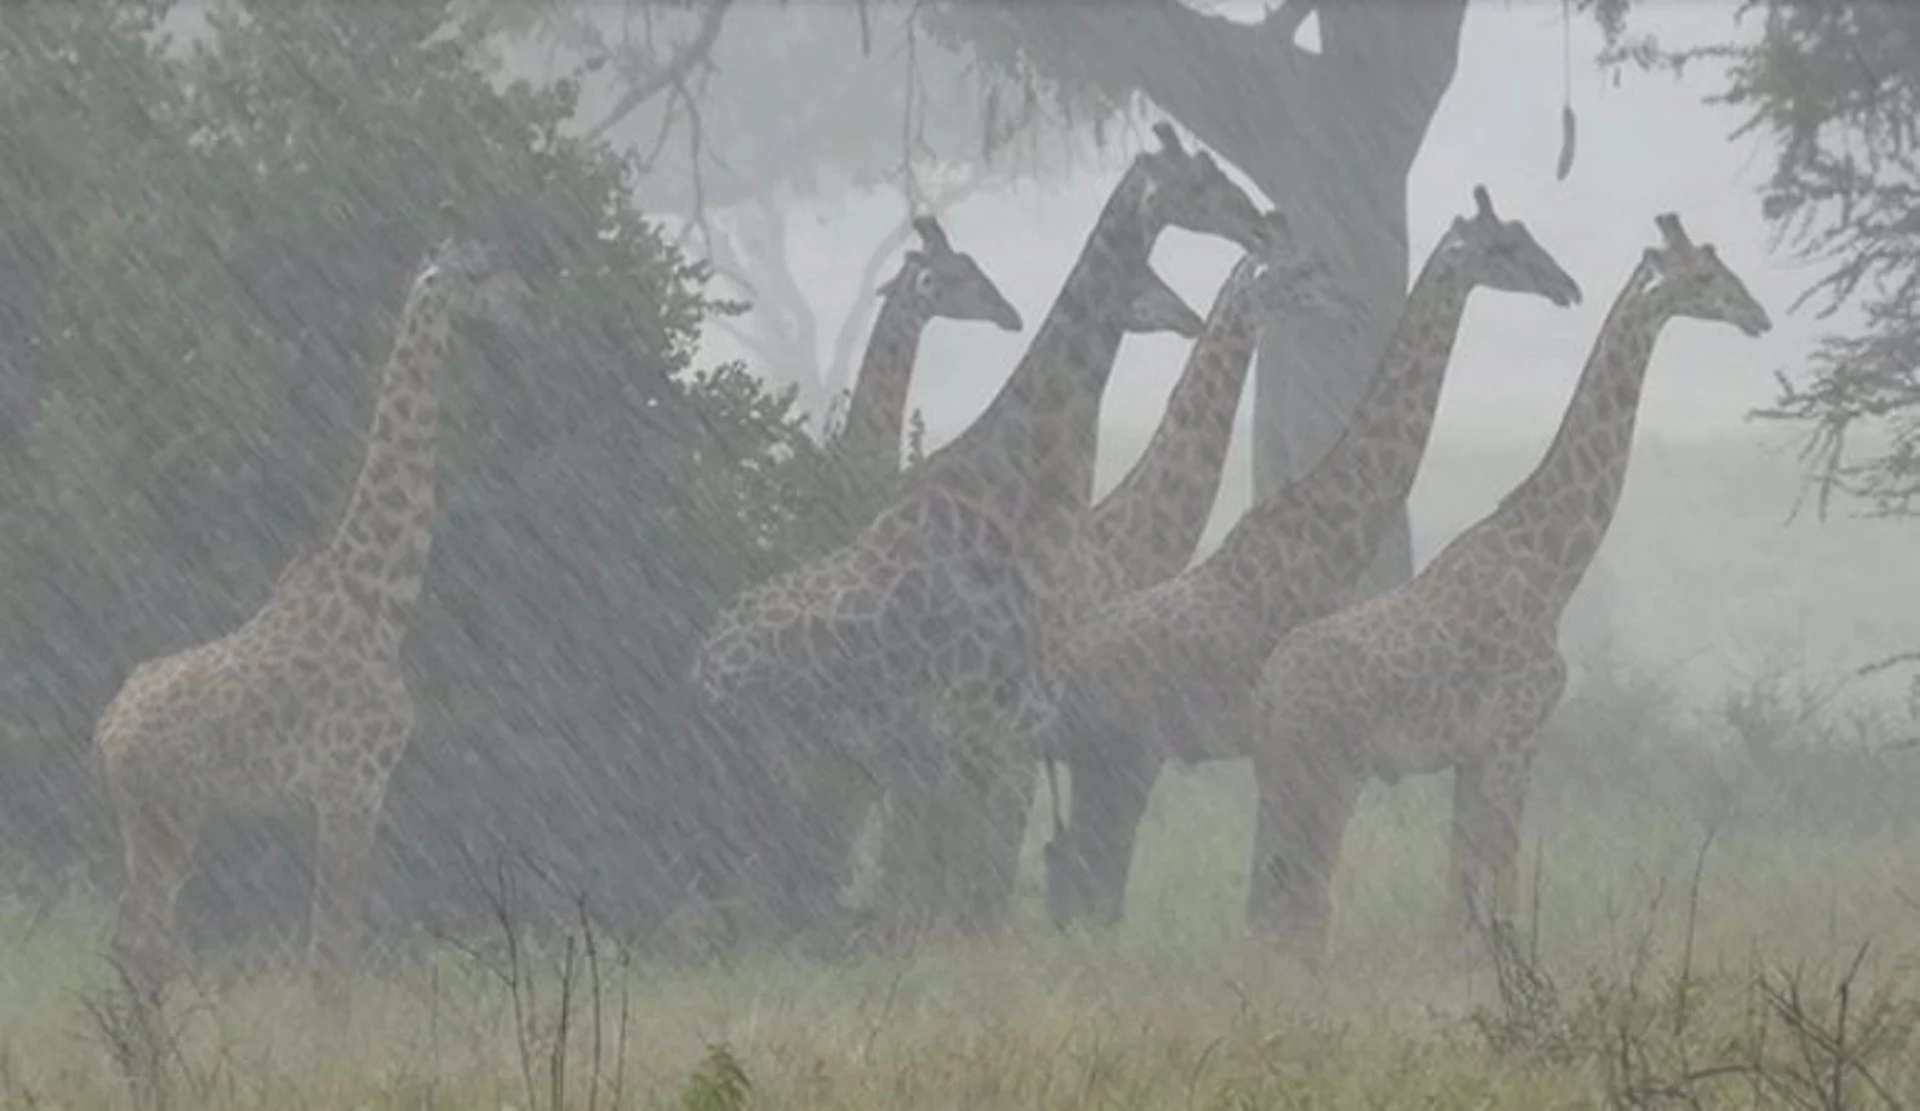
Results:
x,y
959,554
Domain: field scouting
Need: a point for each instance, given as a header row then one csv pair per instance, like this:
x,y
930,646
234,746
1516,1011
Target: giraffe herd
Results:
x,y
993,619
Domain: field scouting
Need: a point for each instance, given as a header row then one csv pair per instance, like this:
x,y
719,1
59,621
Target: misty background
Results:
x,y
215,248
1703,576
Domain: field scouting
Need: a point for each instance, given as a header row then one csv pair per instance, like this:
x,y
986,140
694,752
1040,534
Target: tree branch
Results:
x,y
1187,62
772,252
1244,90
671,74
1397,60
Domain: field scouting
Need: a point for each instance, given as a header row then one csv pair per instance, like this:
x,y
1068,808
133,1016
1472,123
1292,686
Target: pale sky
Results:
x,y
1644,147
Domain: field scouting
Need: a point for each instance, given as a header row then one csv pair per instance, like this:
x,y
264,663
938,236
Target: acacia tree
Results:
x,y
1834,85
1328,134
783,105
202,332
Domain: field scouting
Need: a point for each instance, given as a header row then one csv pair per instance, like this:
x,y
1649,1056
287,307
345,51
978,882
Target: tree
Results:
x,y
1835,88
787,104
1328,135
202,334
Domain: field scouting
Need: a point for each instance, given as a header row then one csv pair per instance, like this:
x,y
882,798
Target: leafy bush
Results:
x,y
1780,750
210,248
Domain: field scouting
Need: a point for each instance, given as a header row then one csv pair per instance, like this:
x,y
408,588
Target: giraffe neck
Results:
x,y
1032,450
379,551
876,416
1298,552
1550,526
1151,522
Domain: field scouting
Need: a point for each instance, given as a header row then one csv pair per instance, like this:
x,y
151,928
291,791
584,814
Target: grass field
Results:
x,y
1175,1011
1665,991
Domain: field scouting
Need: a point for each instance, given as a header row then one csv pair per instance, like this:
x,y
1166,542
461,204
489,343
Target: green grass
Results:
x,y
1177,1010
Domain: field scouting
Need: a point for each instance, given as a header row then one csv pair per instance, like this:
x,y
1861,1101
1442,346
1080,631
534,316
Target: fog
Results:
x,y
573,682
1703,469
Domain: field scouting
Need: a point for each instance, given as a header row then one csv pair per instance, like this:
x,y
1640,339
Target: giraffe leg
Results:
x,y
1489,798
962,809
760,836
347,822
943,796
844,809
1307,797
909,854
1111,787
833,801
159,839
993,873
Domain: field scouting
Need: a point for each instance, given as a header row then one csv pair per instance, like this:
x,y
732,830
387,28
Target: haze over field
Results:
x,y
1702,574
444,668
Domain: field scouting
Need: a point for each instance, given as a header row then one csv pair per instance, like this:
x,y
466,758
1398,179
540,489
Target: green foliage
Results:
x,y
1835,88
1035,69
203,332
718,1084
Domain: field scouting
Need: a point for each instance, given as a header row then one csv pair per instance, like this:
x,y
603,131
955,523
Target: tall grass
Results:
x,y
1721,922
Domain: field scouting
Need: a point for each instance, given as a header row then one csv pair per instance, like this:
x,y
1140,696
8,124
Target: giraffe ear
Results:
x,y
913,262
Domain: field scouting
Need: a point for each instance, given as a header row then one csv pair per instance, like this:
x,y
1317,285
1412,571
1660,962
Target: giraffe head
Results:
x,y
476,281
1155,307
1291,279
1688,279
1502,254
1187,189
948,283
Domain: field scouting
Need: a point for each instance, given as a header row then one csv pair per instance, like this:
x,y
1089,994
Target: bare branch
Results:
x,y
695,53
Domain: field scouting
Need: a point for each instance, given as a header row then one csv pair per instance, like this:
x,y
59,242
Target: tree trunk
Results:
x,y
1310,376
1329,137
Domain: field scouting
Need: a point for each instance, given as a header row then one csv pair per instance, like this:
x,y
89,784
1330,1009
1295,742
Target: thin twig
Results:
x,y
669,76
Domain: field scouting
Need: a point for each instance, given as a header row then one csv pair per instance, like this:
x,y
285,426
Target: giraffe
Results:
x,y
1167,672
927,629
842,804
933,281
1460,666
1147,526
1151,521
304,703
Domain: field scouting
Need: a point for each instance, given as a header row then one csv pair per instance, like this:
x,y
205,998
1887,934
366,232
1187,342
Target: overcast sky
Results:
x,y
1644,147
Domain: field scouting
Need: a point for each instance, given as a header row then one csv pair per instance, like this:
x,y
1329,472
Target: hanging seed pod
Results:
x,y
1567,144
1568,130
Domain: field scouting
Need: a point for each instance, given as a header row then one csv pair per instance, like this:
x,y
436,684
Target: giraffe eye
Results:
x,y
923,282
